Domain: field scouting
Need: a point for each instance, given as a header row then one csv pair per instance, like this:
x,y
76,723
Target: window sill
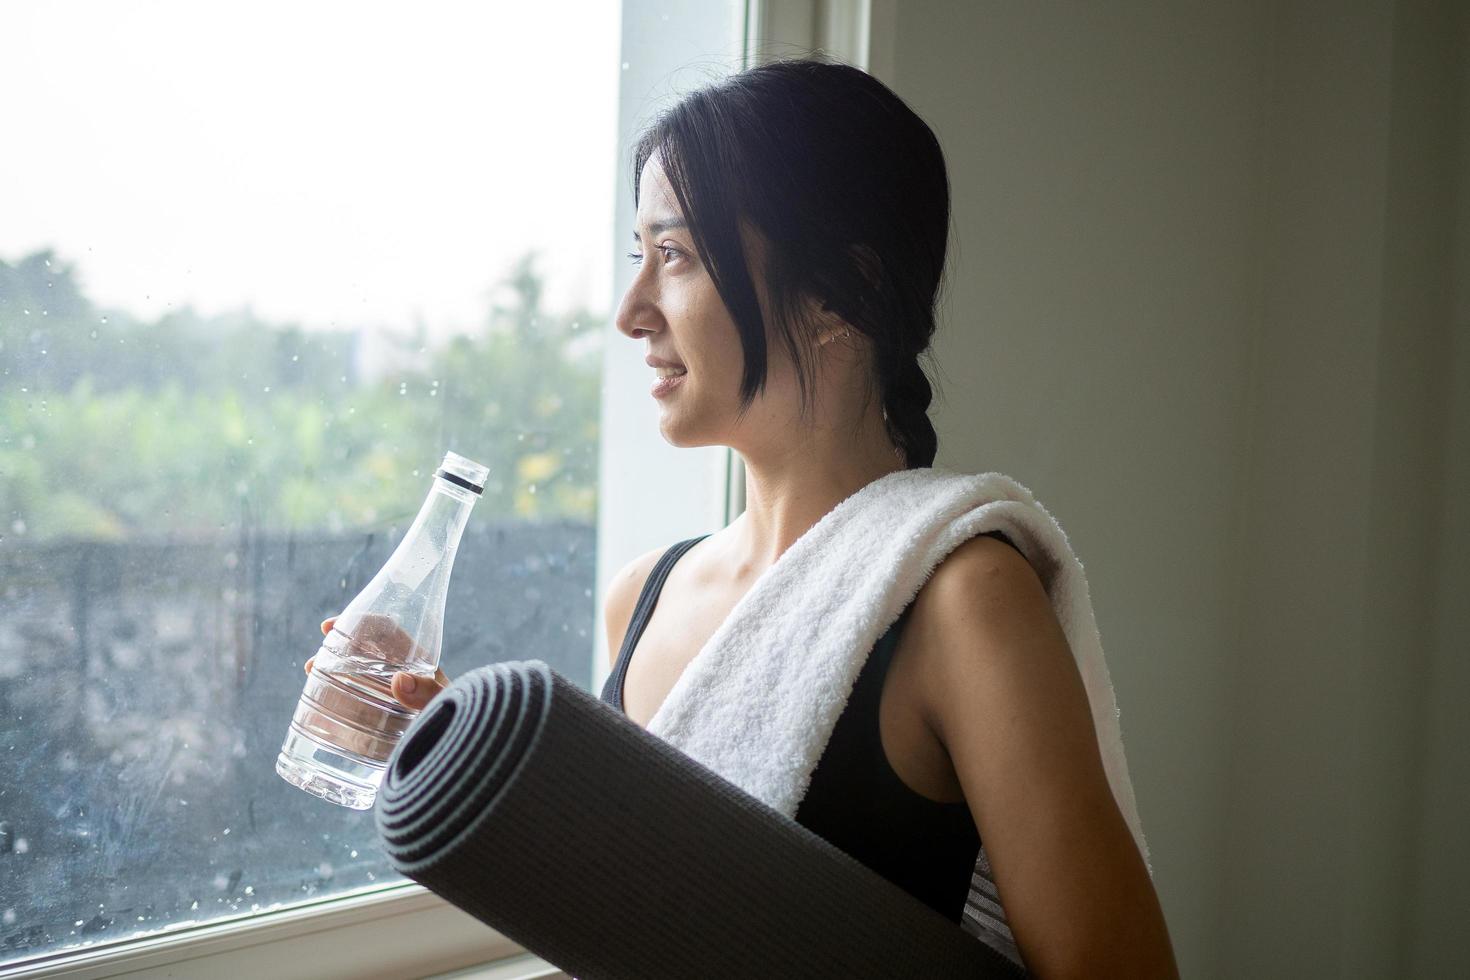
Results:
x,y
403,931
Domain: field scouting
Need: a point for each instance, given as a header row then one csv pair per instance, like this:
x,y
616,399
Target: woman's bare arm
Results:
x,y
1003,693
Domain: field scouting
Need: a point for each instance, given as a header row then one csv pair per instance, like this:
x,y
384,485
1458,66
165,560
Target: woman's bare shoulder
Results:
x,y
622,594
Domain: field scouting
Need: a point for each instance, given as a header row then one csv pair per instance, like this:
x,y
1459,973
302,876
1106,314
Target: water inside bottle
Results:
x,y
346,724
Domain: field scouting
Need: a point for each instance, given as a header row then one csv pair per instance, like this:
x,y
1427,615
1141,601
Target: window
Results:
x,y
259,268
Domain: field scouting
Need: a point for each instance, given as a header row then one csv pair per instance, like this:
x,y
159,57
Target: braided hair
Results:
x,y
848,188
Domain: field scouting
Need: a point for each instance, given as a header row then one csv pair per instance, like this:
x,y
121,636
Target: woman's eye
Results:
x,y
668,252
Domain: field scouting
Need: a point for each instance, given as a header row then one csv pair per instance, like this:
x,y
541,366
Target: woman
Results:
x,y
791,233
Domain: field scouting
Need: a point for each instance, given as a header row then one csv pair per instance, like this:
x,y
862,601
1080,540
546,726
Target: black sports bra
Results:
x,y
855,800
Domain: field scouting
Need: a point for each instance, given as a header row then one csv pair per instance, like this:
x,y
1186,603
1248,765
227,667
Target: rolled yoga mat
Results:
x,y
547,814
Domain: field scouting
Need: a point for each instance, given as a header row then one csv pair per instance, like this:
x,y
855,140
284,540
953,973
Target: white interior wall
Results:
x,y
1201,303
1436,912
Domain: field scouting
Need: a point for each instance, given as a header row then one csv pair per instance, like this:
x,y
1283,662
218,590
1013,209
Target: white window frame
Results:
x,y
650,495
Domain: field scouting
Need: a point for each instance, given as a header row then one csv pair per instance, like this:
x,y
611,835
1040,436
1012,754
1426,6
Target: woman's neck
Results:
x,y
788,490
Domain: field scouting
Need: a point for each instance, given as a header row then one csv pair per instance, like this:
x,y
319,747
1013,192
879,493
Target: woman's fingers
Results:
x,y
326,628
414,691
381,636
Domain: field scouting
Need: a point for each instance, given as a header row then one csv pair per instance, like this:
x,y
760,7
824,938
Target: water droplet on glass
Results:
x,y
104,319
18,526
94,335
227,831
77,923
9,917
354,854
295,357
625,66
22,845
266,388
324,869
250,889
195,906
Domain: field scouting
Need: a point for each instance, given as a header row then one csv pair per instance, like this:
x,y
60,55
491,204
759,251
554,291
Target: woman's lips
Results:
x,y
664,386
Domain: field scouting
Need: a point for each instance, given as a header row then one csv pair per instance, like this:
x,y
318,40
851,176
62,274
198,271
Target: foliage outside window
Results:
x,y
186,492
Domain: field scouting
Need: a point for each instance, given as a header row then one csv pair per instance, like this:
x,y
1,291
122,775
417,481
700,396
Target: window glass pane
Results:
x,y
260,267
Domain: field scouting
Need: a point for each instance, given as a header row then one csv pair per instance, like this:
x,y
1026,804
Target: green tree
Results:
x,y
184,424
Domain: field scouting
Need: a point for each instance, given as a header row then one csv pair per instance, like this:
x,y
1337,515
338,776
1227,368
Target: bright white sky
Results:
x,y
347,164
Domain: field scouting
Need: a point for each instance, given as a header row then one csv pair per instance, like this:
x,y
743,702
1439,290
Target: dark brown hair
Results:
x,y
847,187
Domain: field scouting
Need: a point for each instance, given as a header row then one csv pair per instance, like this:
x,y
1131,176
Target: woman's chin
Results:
x,y
680,433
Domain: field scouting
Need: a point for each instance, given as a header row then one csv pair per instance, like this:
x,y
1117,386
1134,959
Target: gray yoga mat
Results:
x,y
548,815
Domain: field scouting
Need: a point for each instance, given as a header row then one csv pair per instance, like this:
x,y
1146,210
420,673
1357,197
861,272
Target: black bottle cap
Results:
x,y
458,481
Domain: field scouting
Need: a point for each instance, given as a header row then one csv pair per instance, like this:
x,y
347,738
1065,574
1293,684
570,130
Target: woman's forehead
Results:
x,y
656,198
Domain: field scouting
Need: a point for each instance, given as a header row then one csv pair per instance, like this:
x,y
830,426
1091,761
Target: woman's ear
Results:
x,y
829,325
838,328
823,323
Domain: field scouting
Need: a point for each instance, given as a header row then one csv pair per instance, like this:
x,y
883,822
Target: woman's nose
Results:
x,y
638,314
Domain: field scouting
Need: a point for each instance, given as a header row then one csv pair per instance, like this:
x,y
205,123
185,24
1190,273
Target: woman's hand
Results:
x,y
412,690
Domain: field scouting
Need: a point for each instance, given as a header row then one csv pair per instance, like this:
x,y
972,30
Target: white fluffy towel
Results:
x,y
760,699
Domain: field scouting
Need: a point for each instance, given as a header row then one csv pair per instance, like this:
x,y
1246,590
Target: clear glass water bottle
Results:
x,y
348,721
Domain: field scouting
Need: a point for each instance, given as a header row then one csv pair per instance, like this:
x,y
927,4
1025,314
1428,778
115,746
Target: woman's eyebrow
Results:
x,y
661,226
